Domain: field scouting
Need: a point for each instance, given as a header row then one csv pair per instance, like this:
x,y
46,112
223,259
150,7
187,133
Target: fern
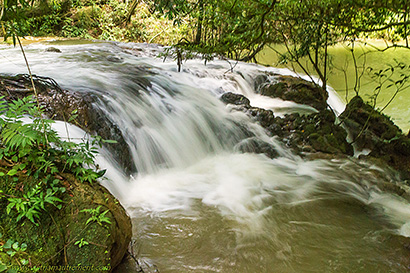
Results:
x,y
19,136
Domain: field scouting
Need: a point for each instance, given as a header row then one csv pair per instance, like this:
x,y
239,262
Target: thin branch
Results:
x,y
34,87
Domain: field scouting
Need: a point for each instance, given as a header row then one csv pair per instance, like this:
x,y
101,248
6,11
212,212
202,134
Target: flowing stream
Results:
x,y
200,204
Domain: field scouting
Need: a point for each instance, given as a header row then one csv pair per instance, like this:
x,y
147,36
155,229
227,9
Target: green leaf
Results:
x,y
11,253
2,267
12,172
23,247
8,244
16,246
110,141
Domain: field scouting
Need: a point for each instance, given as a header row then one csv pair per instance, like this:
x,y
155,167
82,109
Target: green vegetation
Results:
x,y
92,19
240,29
33,161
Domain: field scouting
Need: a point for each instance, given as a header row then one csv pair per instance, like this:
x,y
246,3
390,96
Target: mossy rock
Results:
x,y
297,90
364,115
264,117
236,99
375,131
54,241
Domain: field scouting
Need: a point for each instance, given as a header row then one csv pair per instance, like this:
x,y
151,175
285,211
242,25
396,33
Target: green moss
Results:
x,y
52,242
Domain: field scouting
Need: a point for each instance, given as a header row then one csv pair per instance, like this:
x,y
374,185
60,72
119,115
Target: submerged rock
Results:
x,y
53,49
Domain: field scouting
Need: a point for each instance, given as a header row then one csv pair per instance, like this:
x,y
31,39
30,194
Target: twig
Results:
x,y
34,87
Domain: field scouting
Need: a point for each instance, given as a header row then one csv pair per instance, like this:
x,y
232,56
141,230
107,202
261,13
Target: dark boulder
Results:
x,y
257,146
264,117
235,99
53,49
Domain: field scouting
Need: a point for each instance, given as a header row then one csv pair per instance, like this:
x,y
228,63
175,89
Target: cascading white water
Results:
x,y
198,203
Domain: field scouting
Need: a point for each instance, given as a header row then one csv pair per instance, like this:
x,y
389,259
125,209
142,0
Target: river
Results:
x,y
199,204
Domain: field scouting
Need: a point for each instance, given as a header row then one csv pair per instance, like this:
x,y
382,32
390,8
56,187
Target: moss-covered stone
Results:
x,y
375,131
54,240
297,90
236,99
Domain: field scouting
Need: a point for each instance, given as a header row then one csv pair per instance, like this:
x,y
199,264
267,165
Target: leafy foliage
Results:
x,y
14,250
97,216
32,147
82,242
240,29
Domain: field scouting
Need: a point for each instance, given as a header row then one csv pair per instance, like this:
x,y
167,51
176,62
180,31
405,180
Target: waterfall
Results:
x,y
198,202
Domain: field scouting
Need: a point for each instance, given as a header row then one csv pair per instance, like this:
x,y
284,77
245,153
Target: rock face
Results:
x,y
59,104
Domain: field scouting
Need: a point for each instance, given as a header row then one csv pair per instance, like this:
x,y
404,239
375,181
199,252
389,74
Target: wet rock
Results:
x,y
235,99
115,59
264,117
53,49
259,80
303,133
373,130
359,115
255,145
297,90
311,133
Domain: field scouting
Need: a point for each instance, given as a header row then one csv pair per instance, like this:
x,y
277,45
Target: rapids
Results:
x,y
198,203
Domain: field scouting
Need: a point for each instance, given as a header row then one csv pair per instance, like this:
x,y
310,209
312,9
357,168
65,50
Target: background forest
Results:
x,y
235,29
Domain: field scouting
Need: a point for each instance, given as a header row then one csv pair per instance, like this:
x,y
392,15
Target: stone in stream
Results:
x,y
53,49
319,133
305,134
295,89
